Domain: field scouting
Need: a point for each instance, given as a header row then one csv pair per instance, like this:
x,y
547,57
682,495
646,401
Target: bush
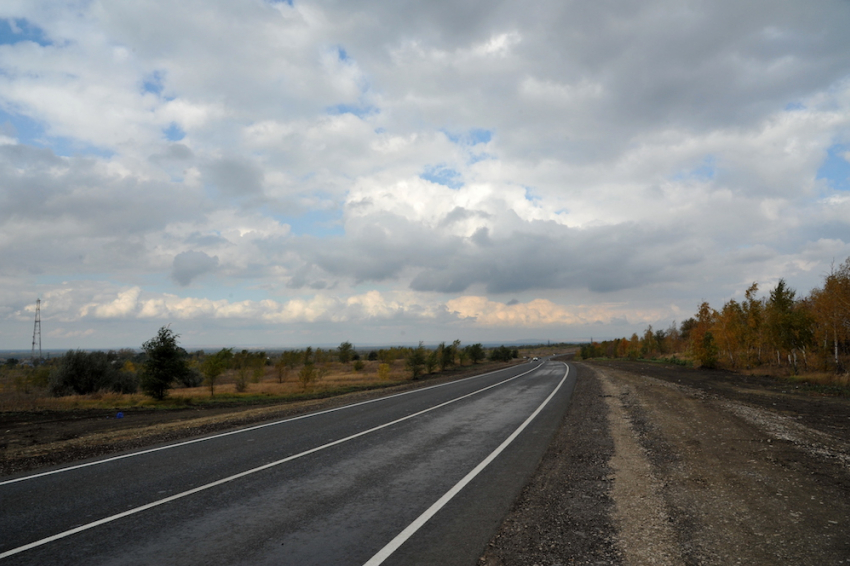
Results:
x,y
501,354
83,373
192,378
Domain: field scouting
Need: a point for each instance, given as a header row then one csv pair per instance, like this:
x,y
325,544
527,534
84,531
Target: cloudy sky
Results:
x,y
260,173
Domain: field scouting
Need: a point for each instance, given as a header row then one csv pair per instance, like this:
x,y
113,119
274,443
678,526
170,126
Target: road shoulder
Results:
x,y
648,470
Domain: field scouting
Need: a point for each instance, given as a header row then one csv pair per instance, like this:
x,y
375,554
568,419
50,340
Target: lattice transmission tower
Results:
x,y
36,331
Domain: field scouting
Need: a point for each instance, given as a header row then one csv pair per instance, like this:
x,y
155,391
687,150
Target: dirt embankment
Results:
x,y
670,465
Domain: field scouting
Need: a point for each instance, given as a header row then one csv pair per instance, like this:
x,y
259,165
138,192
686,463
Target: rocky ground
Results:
x,y
654,464
669,465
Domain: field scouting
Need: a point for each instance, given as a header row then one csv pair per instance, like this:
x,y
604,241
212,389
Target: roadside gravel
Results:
x,y
699,470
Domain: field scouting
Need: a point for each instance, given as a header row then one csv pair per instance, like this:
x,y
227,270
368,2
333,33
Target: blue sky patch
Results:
x,y
476,157
16,30
174,132
153,83
792,106
318,223
836,168
361,111
531,197
443,175
25,129
70,147
704,172
470,137
30,132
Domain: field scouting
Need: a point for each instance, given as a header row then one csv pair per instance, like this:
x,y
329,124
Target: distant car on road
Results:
x,y
534,359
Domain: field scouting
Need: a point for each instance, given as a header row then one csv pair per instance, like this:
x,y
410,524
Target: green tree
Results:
x,y
707,353
242,365
415,360
476,353
431,361
345,351
165,363
213,366
501,354
307,375
281,368
445,356
789,323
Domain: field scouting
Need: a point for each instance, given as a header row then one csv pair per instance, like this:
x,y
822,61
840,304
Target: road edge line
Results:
x,y
420,521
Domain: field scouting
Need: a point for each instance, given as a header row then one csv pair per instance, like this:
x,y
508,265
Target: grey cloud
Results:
x,y
235,177
481,237
79,217
660,65
190,265
174,152
532,255
207,240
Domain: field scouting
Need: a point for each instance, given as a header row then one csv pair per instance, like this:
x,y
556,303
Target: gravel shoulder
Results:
x,y
669,465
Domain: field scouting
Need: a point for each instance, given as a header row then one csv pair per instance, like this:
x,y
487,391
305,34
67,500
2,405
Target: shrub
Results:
x,y
83,373
307,375
501,354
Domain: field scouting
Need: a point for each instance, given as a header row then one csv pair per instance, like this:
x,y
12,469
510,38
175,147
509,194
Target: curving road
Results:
x,y
422,477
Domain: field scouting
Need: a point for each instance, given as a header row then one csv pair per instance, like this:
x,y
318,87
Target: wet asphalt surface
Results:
x,y
313,504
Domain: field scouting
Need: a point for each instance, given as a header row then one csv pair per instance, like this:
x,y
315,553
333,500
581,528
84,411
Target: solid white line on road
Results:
x,y
402,537
239,431
183,494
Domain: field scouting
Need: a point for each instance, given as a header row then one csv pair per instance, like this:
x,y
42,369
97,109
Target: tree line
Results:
x,y
801,333
163,363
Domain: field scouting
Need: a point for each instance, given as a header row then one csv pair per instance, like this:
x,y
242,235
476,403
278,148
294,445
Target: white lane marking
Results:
x,y
241,430
245,473
402,537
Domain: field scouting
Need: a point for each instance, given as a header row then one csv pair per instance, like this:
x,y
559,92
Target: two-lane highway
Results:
x,y
422,477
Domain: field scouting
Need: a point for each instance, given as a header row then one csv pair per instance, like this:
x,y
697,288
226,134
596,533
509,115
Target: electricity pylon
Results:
x,y
36,331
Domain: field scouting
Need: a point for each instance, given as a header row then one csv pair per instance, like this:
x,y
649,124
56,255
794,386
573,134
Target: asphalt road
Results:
x,y
422,477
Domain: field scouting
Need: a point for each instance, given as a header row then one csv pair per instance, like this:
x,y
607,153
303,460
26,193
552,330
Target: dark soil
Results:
x,y
818,407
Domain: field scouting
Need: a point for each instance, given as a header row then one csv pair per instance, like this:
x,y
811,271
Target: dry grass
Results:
x,y
331,377
335,377
824,378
